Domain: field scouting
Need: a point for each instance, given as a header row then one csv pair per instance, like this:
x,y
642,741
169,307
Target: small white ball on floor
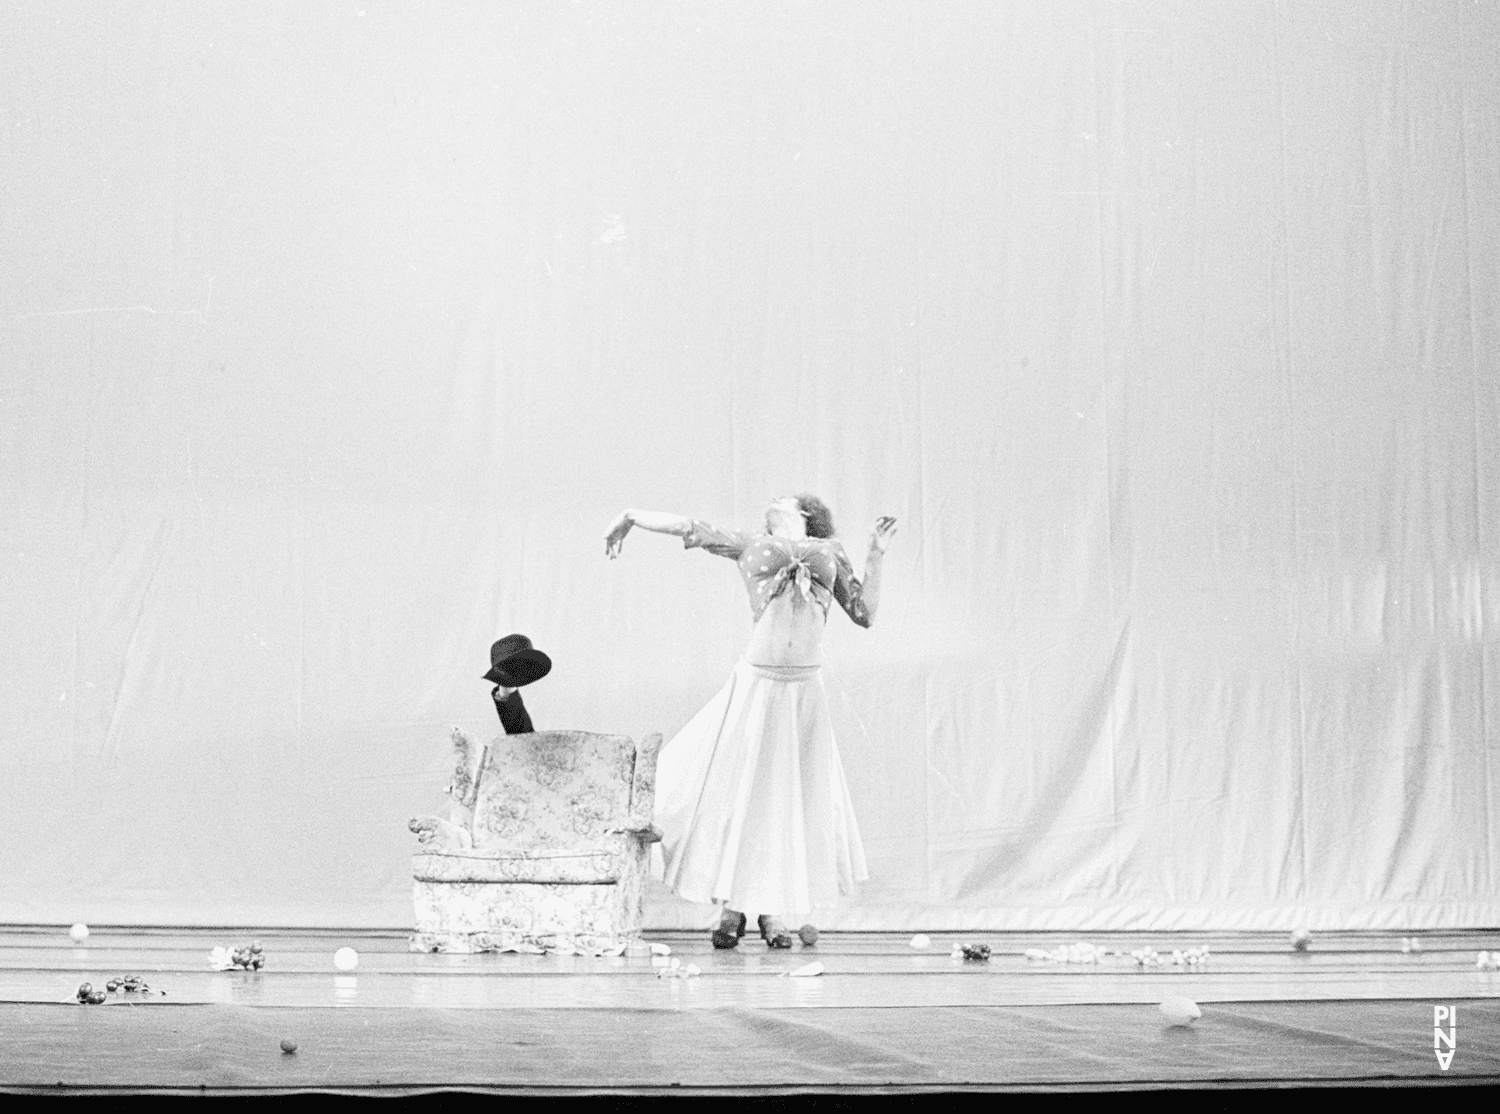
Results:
x,y
921,940
346,959
79,933
1180,1011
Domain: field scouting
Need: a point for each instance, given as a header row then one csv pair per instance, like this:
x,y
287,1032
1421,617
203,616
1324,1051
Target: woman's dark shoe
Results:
x,y
731,928
774,933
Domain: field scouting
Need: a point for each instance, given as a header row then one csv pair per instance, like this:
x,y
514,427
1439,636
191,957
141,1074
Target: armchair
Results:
x,y
546,846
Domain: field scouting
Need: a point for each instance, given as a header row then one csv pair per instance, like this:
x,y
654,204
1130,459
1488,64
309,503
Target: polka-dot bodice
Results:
x,y
817,568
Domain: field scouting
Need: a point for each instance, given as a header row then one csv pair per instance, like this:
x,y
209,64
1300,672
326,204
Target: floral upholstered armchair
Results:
x,y
546,848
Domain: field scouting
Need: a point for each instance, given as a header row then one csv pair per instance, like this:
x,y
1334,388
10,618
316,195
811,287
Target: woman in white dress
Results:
x,y
750,795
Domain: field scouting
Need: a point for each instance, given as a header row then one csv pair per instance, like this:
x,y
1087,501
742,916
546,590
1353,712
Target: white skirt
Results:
x,y
752,802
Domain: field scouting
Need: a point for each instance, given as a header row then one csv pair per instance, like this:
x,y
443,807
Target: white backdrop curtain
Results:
x,y
332,335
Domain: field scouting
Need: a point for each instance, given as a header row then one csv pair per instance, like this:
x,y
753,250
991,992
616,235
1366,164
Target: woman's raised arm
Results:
x,y
860,599
655,521
885,529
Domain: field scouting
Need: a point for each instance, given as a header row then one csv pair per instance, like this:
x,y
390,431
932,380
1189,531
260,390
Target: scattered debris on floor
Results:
x,y
1410,944
976,953
675,969
130,984
1488,961
1301,938
91,995
251,958
807,971
1081,952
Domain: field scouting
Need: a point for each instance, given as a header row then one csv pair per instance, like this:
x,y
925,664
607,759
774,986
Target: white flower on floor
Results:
x,y
1181,957
674,969
1488,961
1180,1011
1080,952
219,959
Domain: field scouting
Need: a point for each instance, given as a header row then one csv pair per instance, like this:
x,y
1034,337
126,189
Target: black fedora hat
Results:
x,y
514,662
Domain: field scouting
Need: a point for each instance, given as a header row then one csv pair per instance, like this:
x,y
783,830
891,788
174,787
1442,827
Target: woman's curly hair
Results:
x,y
819,517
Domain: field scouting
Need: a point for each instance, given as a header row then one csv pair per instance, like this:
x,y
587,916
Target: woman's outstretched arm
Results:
x,y
655,521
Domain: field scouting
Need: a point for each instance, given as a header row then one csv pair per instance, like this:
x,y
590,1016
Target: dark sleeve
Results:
x,y
848,590
513,715
718,541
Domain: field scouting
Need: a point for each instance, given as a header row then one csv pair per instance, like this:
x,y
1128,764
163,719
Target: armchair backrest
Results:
x,y
553,789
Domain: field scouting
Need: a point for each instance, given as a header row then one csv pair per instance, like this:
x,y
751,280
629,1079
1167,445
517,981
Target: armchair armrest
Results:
x,y
464,788
440,835
643,786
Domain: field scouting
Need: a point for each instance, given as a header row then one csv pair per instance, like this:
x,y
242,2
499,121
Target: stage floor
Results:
x,y
883,1016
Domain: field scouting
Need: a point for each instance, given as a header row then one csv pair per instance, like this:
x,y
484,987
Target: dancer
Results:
x,y
750,795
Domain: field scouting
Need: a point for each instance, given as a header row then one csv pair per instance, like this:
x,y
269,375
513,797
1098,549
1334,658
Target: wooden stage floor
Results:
x,y
863,970
883,1015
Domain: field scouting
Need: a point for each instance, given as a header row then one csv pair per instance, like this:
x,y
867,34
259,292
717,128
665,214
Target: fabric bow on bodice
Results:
x,y
797,571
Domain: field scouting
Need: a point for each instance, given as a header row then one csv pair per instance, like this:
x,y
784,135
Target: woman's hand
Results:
x,y
885,529
614,537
